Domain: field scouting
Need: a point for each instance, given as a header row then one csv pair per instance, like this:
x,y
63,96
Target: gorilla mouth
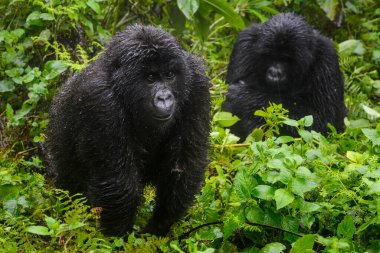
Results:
x,y
163,117
276,74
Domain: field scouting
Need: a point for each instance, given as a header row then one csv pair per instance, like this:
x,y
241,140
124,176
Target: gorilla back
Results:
x,y
284,61
138,114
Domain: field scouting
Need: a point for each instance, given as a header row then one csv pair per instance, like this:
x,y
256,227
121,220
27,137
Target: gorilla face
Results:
x,y
162,83
151,75
278,54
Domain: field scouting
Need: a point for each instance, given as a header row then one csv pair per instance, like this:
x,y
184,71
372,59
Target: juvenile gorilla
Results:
x,y
284,61
138,114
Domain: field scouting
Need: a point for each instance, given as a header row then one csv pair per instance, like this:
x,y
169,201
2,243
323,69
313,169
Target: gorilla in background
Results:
x,y
284,61
138,114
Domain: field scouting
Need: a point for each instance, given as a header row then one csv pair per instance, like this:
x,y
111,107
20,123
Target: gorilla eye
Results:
x,y
150,77
170,75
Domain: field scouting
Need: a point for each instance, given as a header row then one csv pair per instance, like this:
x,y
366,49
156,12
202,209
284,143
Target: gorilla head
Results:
x,y
284,61
277,54
149,69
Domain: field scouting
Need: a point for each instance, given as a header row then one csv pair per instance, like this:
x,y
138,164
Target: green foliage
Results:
x,y
269,194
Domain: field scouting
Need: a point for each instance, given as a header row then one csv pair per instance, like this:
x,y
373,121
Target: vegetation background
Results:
x,y
269,194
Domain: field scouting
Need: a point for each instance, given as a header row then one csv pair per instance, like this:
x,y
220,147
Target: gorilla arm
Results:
x,y
113,179
185,158
326,90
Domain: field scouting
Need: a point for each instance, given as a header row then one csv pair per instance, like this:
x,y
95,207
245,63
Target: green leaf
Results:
x,y
225,119
233,221
275,164
301,185
260,113
9,112
284,139
51,222
360,123
28,77
346,229
177,18
94,6
14,72
255,214
257,134
265,192
349,47
374,188
188,7
306,135
244,184
330,7
46,16
274,247
304,244
10,206
373,114
258,15
224,9
283,198
356,157
6,85
290,122
53,69
202,25
308,120
34,19
39,230
18,32
373,135
308,207
210,233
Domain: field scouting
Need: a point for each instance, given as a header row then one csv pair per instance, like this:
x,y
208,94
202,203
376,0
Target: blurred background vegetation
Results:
x,y
270,194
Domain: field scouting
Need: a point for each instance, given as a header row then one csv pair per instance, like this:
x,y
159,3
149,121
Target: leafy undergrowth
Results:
x,y
268,194
281,193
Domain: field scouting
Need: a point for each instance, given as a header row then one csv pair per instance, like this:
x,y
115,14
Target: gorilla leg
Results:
x,y
119,199
175,193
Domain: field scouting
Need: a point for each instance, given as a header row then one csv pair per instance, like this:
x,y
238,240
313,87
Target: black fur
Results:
x,y
284,61
103,140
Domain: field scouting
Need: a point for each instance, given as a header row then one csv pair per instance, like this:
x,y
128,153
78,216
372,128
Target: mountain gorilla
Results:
x,y
138,114
284,61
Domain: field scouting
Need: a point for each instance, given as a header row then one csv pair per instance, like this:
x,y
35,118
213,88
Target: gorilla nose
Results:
x,y
276,73
164,101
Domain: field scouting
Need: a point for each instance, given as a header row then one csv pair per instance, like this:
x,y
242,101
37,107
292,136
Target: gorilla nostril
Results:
x,y
164,100
276,73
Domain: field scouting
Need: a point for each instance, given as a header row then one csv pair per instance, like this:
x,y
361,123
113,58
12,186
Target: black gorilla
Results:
x,y
138,114
284,61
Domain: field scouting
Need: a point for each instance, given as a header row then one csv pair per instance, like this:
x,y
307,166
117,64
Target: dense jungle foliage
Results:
x,y
268,194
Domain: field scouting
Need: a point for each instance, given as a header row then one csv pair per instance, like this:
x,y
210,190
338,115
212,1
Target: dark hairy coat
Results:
x,y
101,142
314,83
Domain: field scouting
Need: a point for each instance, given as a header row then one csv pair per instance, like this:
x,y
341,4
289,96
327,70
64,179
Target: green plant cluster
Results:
x,y
269,194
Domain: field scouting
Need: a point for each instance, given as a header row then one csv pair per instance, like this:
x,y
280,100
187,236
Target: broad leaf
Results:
x,y
330,7
94,6
283,198
39,230
188,7
53,69
225,119
304,244
265,192
274,247
6,85
224,9
346,228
